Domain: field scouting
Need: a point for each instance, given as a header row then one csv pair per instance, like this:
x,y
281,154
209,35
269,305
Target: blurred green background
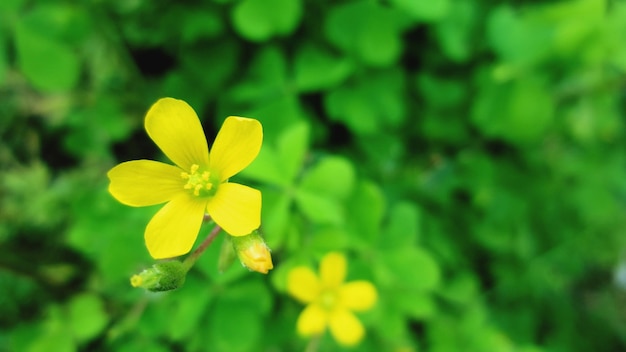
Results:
x,y
469,157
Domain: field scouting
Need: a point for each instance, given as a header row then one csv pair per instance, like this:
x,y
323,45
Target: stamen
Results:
x,y
199,181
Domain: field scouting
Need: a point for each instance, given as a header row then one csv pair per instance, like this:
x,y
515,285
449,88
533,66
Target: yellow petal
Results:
x,y
173,230
333,269
312,320
358,295
174,127
303,284
237,143
236,208
345,327
140,183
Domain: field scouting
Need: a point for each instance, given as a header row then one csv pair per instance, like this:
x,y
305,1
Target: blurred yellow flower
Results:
x,y
197,184
330,301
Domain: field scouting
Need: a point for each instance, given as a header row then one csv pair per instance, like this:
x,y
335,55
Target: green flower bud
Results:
x,y
163,276
253,253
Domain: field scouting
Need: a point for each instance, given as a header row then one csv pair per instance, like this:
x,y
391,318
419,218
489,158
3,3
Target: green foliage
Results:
x,y
467,156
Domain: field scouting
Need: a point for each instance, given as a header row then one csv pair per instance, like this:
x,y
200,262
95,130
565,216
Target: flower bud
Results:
x,y
253,253
164,276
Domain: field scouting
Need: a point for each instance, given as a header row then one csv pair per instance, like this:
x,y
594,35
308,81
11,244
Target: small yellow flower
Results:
x,y
197,184
330,301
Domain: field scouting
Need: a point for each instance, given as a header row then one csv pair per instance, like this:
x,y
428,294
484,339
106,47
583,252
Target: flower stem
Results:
x,y
314,344
191,259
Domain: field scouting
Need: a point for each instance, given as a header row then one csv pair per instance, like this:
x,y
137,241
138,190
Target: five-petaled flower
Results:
x,y
330,301
197,184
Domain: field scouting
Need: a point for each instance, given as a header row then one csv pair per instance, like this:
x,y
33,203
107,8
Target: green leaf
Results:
x,y
61,67
455,32
365,209
418,306
408,268
266,168
292,146
95,128
502,109
201,25
332,176
275,217
187,310
4,60
428,11
318,208
276,113
375,100
317,69
349,27
87,316
10,5
252,293
330,239
234,327
403,228
259,20
55,335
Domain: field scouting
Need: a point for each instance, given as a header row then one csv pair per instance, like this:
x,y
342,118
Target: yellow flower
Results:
x,y
330,301
197,184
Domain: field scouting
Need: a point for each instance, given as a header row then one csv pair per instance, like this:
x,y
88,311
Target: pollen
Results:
x,y
199,182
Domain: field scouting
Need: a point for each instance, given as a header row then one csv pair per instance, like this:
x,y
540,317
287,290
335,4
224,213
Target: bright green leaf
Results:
x,y
366,105
403,228
502,109
408,268
292,146
332,176
186,312
55,335
317,69
365,209
428,11
87,316
417,306
349,27
233,326
61,67
259,20
266,168
319,208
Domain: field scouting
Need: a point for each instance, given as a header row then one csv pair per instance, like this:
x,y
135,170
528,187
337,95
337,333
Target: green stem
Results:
x,y
191,259
314,344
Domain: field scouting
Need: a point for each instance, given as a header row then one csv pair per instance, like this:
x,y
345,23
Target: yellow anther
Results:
x,y
199,181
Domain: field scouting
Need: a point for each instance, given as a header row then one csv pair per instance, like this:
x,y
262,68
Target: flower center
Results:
x,y
198,181
328,299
